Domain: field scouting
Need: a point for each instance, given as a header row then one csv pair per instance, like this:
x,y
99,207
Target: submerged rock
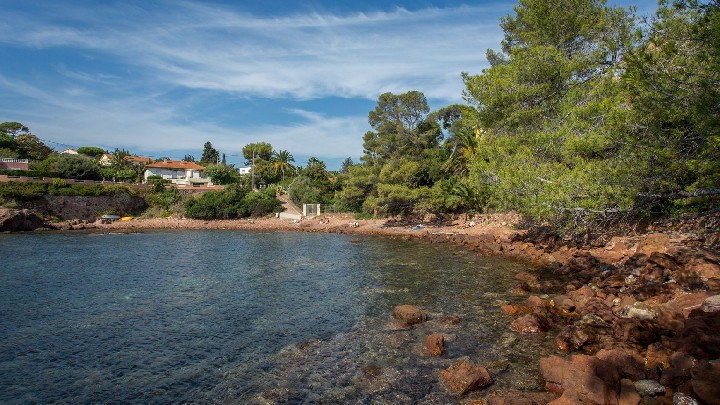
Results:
x,y
409,314
463,377
521,398
531,323
435,344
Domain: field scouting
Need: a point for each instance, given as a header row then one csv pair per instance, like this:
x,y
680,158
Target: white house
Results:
x,y
178,172
244,170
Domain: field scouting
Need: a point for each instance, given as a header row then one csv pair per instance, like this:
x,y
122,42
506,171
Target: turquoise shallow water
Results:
x,y
244,317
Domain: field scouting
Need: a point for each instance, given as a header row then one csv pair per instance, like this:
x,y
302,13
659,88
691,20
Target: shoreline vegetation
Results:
x,y
638,318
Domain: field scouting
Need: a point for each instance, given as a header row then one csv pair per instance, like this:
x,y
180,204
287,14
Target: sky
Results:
x,y
161,78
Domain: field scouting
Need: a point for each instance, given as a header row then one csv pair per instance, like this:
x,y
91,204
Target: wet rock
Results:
x,y
520,398
531,323
649,388
562,304
527,277
582,379
711,304
435,344
463,377
409,314
534,302
706,381
515,309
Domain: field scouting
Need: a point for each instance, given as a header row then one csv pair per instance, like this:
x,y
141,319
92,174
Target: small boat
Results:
x,y
107,218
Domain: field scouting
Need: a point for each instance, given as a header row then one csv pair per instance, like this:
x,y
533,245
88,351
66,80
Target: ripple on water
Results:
x,y
220,316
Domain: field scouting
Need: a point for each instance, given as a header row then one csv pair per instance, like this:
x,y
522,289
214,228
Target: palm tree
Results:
x,y
281,161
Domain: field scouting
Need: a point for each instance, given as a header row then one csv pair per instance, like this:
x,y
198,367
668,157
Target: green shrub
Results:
x,y
261,204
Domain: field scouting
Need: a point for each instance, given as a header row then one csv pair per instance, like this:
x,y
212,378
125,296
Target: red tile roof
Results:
x,y
137,159
175,164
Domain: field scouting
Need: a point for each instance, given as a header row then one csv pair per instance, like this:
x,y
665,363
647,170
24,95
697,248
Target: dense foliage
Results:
x,y
586,114
28,191
233,202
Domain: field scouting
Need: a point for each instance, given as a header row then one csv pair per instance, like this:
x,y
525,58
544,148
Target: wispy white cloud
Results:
x,y
129,56
302,56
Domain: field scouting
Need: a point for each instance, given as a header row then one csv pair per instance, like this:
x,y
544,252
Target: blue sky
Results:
x,y
160,78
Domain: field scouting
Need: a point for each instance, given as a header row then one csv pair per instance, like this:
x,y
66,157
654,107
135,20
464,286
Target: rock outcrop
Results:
x,y
19,220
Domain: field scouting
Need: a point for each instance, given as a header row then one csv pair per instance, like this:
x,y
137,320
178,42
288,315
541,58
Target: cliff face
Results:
x,y
87,208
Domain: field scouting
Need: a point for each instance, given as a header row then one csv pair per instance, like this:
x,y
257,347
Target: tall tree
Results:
x,y
549,109
400,127
210,155
262,150
282,162
673,78
31,147
13,128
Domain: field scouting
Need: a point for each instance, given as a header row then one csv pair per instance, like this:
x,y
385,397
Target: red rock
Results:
x,y
562,304
463,377
571,338
409,314
531,323
699,337
629,363
654,242
520,398
628,393
582,379
435,344
527,277
596,306
534,301
706,381
657,358
581,296
635,331
680,368
515,309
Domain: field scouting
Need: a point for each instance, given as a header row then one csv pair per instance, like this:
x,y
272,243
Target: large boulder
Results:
x,y
409,314
463,377
581,379
531,323
19,220
705,377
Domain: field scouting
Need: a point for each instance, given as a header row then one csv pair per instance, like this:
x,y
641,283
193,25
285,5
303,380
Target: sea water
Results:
x,y
248,317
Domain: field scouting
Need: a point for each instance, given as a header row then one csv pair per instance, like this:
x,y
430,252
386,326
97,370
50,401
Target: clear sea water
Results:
x,y
246,317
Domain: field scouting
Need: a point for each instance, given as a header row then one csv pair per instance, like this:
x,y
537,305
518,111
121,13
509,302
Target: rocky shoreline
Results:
x,y
638,321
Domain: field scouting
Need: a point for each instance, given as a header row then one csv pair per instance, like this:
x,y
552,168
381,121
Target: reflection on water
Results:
x,y
239,317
